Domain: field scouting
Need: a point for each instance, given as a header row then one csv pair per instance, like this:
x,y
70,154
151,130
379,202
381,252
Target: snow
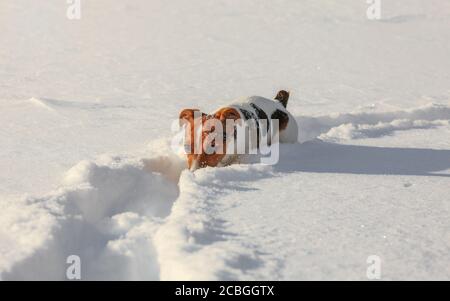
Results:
x,y
373,124
86,166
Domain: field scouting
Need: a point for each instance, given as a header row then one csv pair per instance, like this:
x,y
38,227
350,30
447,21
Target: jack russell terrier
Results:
x,y
221,138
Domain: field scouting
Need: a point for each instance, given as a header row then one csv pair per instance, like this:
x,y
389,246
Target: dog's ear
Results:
x,y
228,113
188,115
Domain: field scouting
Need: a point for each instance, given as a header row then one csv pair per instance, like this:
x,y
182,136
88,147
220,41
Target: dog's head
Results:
x,y
206,135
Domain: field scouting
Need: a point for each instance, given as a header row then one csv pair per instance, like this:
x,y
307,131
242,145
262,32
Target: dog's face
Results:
x,y
206,135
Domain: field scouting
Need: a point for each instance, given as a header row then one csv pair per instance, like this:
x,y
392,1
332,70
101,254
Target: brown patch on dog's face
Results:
x,y
203,159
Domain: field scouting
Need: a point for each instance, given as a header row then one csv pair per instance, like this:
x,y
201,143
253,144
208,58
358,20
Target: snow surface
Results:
x,y
86,167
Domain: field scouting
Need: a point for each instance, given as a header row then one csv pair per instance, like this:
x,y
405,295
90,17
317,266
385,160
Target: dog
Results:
x,y
206,134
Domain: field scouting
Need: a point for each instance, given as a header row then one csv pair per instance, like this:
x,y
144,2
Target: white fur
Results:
x,y
269,106
287,135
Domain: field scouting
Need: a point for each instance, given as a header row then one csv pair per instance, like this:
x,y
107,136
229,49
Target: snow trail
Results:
x,y
194,244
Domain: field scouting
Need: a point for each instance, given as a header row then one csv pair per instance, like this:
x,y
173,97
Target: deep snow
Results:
x,y
86,167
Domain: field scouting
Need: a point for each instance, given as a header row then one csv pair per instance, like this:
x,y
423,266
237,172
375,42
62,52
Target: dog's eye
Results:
x,y
210,149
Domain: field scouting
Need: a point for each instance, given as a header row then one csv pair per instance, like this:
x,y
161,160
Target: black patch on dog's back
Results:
x,y
261,114
247,114
250,115
283,118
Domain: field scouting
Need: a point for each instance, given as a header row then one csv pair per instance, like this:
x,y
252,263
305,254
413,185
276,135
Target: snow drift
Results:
x,y
336,127
105,213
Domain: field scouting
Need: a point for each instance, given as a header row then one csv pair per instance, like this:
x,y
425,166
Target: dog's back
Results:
x,y
261,108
